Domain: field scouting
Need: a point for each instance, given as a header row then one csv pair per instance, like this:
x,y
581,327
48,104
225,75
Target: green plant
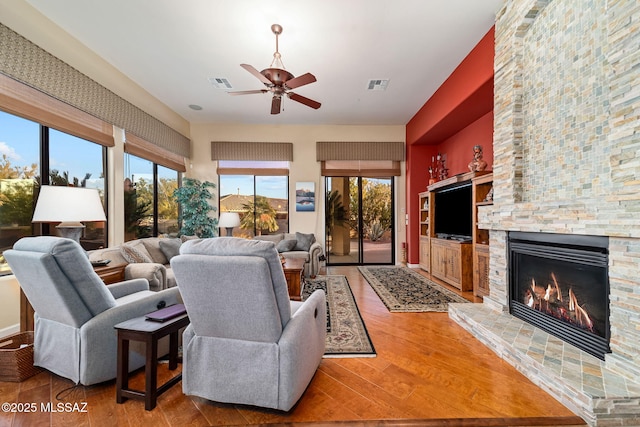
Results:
x,y
376,231
193,198
335,212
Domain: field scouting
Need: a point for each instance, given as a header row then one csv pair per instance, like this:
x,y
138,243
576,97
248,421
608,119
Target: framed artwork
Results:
x,y
305,196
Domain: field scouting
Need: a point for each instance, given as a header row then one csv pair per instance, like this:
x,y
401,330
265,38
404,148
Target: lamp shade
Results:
x,y
229,220
68,204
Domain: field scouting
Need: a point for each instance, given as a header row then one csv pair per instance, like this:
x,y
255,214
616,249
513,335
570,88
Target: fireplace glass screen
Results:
x,y
560,283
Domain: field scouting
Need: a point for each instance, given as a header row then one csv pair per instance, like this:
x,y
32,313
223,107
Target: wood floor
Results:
x,y
428,372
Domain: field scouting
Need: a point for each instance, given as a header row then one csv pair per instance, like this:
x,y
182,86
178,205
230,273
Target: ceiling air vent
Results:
x,y
378,84
220,83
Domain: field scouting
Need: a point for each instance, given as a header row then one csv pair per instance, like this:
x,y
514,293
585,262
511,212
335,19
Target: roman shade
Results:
x,y
148,151
252,158
36,69
26,102
372,159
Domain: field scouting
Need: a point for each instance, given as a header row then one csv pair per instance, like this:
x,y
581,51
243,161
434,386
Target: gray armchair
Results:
x,y
74,311
247,343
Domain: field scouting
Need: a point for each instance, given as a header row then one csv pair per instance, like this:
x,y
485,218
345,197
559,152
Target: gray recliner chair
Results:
x,y
74,311
247,343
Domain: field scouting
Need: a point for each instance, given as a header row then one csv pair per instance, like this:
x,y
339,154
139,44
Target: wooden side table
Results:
x,y
110,274
149,332
293,272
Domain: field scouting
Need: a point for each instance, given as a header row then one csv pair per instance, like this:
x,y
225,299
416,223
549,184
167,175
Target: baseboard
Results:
x,y
10,330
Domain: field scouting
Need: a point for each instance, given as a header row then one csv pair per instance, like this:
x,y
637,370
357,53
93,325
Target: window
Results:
x,y
77,162
150,209
32,154
261,200
167,205
19,176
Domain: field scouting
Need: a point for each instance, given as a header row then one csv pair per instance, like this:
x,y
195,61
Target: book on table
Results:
x,y
167,313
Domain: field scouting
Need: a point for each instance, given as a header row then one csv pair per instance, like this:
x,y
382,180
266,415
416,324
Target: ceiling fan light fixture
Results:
x,y
279,81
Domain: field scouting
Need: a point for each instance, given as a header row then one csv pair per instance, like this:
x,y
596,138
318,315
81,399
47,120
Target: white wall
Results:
x,y
304,166
9,306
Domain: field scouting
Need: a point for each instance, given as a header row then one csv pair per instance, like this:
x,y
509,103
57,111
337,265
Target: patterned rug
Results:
x,y
347,335
404,290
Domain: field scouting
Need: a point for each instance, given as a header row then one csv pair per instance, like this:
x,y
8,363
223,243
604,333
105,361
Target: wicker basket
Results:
x,y
16,357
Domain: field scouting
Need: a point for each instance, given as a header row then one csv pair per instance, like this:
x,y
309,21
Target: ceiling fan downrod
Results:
x,y
277,58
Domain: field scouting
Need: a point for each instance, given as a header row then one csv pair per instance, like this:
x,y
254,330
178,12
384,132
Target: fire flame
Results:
x,y
550,301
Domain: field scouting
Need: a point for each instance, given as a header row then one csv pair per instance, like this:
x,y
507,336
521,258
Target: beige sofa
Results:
x,y
146,258
305,247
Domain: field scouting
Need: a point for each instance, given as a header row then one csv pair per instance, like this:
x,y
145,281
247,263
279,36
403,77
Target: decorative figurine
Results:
x,y
477,164
443,172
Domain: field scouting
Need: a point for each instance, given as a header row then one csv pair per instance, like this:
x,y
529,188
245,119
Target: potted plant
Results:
x,y
193,197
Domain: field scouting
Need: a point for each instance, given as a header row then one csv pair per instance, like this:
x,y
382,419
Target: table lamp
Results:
x,y
229,220
68,206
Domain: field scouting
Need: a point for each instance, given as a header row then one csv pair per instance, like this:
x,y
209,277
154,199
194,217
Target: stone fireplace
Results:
x,y
567,163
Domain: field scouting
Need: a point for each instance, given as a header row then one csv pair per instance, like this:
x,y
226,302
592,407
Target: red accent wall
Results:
x,y
459,147
458,116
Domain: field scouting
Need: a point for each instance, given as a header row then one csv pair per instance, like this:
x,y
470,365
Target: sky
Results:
x,y
19,141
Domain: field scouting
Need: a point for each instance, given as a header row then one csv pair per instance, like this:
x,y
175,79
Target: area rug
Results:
x,y
347,335
404,290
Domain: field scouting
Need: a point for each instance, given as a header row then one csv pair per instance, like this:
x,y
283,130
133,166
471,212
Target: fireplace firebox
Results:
x,y
560,283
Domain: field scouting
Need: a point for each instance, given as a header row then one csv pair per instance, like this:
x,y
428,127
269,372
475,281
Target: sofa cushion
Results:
x,y
135,252
297,255
170,247
304,241
152,245
275,238
286,245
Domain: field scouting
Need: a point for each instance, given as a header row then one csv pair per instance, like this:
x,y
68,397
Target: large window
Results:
x,y
261,200
150,209
19,177
74,161
31,155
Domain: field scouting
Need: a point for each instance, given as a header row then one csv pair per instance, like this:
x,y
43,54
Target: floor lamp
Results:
x,y
70,206
229,220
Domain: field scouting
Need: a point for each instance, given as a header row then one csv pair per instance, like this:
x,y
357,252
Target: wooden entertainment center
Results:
x,y
461,261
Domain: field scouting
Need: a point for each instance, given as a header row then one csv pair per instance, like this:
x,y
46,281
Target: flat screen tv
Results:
x,y
453,212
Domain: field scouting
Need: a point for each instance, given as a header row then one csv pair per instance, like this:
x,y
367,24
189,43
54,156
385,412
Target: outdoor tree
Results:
x,y
259,214
376,207
16,192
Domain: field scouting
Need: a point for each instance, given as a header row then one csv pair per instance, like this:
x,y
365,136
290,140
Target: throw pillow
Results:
x,y
134,255
304,241
286,245
170,247
184,238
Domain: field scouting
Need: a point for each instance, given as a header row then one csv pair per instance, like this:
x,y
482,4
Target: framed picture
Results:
x,y
305,196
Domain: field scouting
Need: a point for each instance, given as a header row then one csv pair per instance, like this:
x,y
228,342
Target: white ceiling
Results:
x,y
171,48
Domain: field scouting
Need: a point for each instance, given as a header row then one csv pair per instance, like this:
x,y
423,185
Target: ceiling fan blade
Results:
x,y
306,101
256,73
247,92
275,105
302,80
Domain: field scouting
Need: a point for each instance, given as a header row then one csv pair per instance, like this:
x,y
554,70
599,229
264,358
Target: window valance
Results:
x,y
37,69
148,151
371,159
348,150
270,151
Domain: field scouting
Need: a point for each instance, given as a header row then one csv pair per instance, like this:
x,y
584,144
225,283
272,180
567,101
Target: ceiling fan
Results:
x,y
279,81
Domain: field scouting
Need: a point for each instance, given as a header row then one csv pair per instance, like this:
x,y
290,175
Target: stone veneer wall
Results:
x,y
567,143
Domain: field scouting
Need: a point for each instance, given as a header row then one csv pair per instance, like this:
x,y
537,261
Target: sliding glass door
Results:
x,y
359,220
